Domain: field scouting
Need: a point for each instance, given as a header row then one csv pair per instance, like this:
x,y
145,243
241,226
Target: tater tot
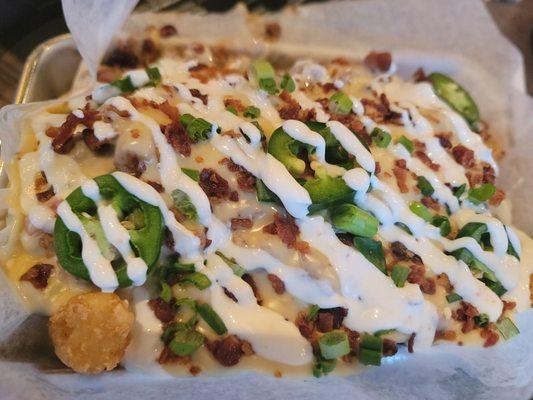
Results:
x,y
91,331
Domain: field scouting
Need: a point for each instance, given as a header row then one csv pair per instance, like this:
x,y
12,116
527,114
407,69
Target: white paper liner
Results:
x,y
457,37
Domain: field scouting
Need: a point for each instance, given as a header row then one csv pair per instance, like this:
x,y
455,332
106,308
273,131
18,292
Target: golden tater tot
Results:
x,y
91,331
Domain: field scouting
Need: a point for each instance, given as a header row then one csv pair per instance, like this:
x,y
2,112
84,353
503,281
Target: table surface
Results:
x,y
25,24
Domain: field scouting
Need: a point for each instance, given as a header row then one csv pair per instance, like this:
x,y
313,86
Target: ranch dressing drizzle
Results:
x,y
116,234
272,337
100,269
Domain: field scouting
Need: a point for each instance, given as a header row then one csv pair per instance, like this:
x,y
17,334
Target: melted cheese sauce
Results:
x,y
333,275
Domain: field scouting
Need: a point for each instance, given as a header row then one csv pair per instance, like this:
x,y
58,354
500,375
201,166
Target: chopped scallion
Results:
x,y
340,103
323,366
312,313
425,187
194,174
380,137
370,350
507,328
383,332
264,194
166,292
186,341
184,205
481,320
201,281
232,110
352,219
399,275
453,297
407,143
482,193
237,269
421,210
372,250
443,223
459,190
287,83
198,129
334,344
124,85
154,75
212,318
252,112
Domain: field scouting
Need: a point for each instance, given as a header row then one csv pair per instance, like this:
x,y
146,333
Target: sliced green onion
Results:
x,y
171,329
334,344
212,318
323,366
372,250
383,332
201,281
407,143
403,227
262,69
186,301
182,268
198,129
507,328
124,85
399,275
481,320
352,219
511,250
252,112
232,110
339,103
474,230
312,313
184,205
154,75
380,137
186,342
370,350
453,297
268,85
496,287
186,119
194,174
237,269
264,194
443,223
287,83
459,190
166,292
421,210
425,187
482,193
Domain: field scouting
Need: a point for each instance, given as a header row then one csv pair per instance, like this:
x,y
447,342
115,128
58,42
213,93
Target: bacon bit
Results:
x,y
131,165
198,48
291,109
302,246
353,338
122,56
38,275
167,356
466,314
307,328
46,195
44,191
327,87
463,156
235,103
277,374
177,137
250,281
227,351
497,198
346,238
169,110
135,134
230,295
431,203
162,310
389,347
194,370
419,75
231,134
444,281
63,137
491,337
353,123
401,177
247,348
46,241
245,179
416,274
340,61
238,223
426,160
508,305
444,140
156,185
203,73
428,286
216,187
403,254
489,176
167,31
448,335
91,141
196,93
277,283
330,318
378,168
108,74
168,239
380,112
378,61
411,342
272,31
285,228
149,51
474,178
199,159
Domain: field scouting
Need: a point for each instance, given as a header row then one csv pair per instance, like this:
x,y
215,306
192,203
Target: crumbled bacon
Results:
x,y
43,191
177,137
290,109
122,56
403,254
448,335
194,370
411,343
199,95
400,173
428,286
327,87
389,347
463,156
378,61
91,141
227,351
489,176
466,314
167,30
444,140
250,281
491,337
419,75
216,187
230,295
380,111
285,227
245,179
277,283
426,160
169,110
346,238
444,281
497,198
156,185
235,103
431,203
416,274
508,305
330,318
63,137
238,223
131,164
203,73
46,195
272,31
149,51
38,275
162,310
307,328
108,74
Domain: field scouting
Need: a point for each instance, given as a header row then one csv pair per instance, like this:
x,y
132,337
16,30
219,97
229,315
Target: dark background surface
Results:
x,y
26,23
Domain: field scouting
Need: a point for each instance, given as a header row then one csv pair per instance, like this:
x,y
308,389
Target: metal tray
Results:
x,y
49,70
